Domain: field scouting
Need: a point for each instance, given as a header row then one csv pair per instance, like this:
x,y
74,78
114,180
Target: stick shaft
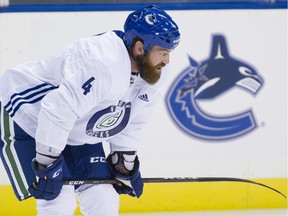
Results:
x,y
170,180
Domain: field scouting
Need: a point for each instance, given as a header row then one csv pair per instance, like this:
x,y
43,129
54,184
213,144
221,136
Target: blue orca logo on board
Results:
x,y
207,80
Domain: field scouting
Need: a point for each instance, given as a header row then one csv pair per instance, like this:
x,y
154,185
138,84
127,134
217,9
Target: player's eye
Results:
x,y
163,53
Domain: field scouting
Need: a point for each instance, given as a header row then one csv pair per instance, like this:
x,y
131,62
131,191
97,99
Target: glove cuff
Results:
x,y
123,163
53,170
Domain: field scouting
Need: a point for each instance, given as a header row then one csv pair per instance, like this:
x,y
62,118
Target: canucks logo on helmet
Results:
x,y
207,80
151,19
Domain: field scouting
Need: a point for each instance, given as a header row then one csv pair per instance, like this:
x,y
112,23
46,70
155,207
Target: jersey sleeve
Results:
x,y
85,83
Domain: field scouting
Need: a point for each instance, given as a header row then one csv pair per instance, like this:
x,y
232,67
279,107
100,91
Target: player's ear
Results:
x,y
139,48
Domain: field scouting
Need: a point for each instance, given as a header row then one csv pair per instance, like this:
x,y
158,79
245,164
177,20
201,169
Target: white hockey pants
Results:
x,y
94,200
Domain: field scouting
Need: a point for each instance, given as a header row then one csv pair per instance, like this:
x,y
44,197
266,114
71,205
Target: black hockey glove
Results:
x,y
49,180
124,166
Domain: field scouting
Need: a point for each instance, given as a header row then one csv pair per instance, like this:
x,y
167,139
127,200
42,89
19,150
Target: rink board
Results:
x,y
171,197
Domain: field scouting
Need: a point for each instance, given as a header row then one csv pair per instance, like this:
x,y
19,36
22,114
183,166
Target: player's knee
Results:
x,y
63,205
99,200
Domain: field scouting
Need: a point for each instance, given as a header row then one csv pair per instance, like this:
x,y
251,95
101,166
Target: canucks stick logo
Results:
x,y
207,80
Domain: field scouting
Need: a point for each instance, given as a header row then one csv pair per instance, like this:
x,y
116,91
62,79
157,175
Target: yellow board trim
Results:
x,y
207,196
177,197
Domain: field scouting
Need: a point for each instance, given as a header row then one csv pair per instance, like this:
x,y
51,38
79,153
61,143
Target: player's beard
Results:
x,y
148,72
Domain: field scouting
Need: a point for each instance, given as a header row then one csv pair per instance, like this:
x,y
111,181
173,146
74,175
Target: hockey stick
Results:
x,y
171,180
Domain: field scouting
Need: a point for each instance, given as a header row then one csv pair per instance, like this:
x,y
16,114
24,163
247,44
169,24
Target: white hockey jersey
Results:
x,y
82,95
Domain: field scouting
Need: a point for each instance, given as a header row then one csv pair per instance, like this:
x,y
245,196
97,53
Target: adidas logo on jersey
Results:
x,y
144,97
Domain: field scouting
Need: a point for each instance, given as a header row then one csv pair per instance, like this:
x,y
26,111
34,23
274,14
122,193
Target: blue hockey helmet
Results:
x,y
153,26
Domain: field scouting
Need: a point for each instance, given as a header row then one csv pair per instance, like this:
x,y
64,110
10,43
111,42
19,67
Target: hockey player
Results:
x,y
57,112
